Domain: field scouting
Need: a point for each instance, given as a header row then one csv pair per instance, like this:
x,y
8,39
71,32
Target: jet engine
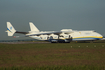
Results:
x,y
66,36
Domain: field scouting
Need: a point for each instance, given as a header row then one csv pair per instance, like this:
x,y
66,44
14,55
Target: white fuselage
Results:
x,y
75,35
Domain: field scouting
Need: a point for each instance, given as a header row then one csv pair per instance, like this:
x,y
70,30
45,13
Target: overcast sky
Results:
x,y
52,15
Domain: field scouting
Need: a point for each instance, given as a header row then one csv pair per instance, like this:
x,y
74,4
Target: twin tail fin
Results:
x,y
33,27
10,29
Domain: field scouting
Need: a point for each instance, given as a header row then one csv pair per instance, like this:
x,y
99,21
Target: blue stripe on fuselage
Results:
x,y
85,39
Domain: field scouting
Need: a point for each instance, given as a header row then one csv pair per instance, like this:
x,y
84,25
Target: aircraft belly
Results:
x,y
38,38
85,39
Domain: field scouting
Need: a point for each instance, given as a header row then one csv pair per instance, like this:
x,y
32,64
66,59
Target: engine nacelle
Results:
x,y
66,36
43,37
53,36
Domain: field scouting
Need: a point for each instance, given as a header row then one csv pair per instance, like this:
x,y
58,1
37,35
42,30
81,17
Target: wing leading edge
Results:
x,y
47,33
21,32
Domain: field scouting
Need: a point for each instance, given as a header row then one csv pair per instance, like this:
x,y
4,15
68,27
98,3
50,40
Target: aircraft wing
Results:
x,y
21,32
67,32
47,33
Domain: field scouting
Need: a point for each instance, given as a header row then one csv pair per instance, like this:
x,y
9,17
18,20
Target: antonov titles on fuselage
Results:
x,y
63,36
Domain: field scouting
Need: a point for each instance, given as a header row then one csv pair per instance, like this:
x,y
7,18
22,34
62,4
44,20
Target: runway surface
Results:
x,y
23,42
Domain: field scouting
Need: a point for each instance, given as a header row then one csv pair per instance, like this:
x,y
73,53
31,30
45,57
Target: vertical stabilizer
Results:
x,y
10,29
33,27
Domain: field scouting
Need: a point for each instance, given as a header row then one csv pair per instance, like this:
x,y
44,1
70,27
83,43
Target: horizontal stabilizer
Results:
x,y
21,32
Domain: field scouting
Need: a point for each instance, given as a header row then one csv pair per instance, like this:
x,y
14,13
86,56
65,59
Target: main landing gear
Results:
x,y
50,39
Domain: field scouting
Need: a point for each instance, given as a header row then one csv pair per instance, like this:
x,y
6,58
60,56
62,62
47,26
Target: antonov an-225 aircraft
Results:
x,y
63,36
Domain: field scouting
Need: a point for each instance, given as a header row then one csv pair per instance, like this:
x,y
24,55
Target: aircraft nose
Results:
x,y
100,35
